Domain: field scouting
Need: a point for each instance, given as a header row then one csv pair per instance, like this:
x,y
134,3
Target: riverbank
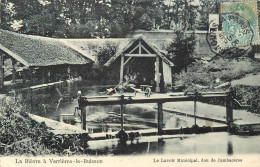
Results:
x,y
22,135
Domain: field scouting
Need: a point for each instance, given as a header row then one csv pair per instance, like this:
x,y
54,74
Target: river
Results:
x,y
143,116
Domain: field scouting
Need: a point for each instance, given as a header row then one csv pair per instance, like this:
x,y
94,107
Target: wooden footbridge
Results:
x,y
85,101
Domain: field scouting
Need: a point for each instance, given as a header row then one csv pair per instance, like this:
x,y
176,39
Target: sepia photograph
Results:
x,y
129,83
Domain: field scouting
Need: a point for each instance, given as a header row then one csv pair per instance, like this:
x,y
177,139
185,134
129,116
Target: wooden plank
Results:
x,y
104,97
157,74
67,115
1,71
191,115
140,55
122,69
131,100
58,127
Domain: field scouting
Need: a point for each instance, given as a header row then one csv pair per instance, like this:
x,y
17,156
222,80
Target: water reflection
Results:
x,y
209,143
229,148
50,104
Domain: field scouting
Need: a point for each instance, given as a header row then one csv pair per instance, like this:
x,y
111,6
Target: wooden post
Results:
x,y
229,108
157,74
61,118
195,107
122,69
1,72
195,110
121,112
83,118
24,77
31,76
68,72
160,119
13,71
43,75
122,117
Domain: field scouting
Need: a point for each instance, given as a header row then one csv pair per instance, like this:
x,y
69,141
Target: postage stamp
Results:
x,y
247,10
236,32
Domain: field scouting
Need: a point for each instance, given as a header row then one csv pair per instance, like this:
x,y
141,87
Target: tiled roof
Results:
x,y
39,51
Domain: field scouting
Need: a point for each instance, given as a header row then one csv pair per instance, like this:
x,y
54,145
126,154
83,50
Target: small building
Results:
x,y
140,57
139,50
40,59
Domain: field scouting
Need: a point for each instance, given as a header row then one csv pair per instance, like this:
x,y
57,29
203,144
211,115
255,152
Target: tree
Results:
x,y
183,45
181,50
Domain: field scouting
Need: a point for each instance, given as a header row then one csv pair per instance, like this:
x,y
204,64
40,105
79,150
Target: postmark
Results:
x,y
247,10
236,32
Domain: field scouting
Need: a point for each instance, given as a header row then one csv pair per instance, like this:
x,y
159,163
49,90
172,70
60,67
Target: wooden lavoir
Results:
x,y
122,100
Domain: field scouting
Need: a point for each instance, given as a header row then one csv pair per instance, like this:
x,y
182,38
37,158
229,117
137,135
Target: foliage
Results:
x,y
181,50
206,73
233,52
61,18
20,135
249,95
106,52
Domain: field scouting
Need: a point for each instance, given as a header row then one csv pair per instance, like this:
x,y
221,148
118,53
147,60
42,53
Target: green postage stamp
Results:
x,y
247,10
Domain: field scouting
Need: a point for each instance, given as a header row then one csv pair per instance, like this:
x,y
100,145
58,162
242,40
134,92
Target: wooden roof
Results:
x,y
91,47
150,46
39,51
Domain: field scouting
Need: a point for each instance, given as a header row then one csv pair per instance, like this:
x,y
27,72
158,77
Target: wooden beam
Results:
x,y
160,119
43,74
195,111
83,118
140,55
146,50
127,60
15,56
229,109
134,49
1,72
122,117
122,69
140,47
24,76
85,101
13,70
157,74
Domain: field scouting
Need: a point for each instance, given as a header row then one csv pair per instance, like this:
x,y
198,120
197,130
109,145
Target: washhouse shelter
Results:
x,y
38,59
143,62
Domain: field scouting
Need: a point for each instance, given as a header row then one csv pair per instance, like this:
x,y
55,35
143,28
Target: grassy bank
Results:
x,y
208,75
249,95
20,135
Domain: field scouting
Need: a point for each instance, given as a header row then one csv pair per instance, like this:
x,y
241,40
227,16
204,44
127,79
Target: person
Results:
x,y
79,93
145,81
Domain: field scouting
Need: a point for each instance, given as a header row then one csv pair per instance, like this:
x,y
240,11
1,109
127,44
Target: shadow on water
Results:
x,y
209,143
229,148
50,101
133,148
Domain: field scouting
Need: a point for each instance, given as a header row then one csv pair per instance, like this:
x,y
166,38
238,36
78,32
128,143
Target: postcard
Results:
x,y
129,83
